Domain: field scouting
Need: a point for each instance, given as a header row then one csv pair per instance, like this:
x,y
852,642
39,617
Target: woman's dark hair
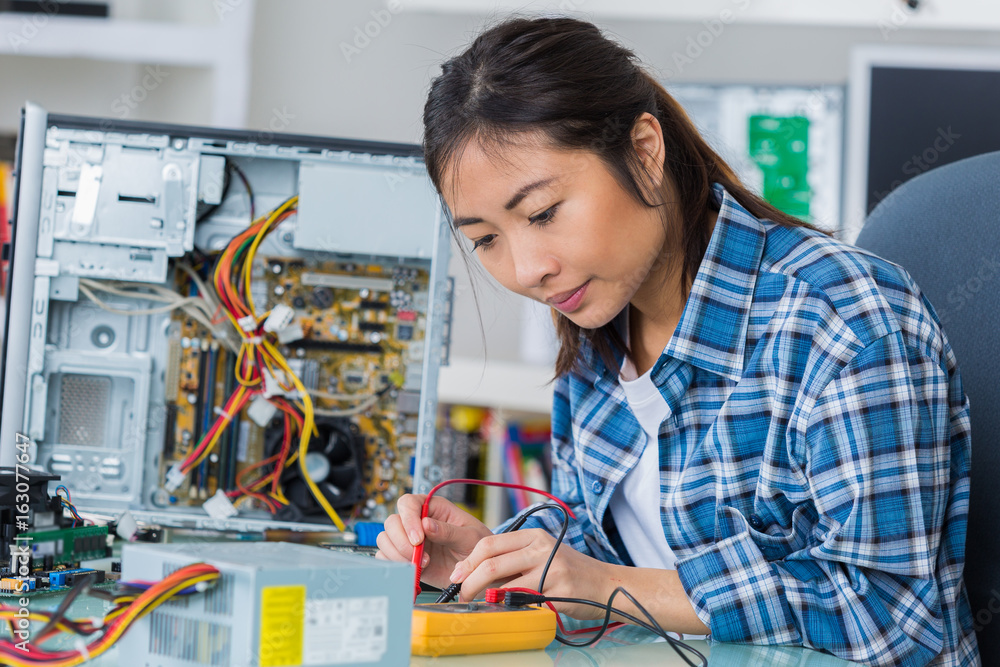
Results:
x,y
563,80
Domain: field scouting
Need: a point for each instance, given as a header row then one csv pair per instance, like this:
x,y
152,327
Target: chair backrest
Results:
x,y
943,227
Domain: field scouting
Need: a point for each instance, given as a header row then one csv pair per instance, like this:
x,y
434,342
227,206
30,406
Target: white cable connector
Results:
x,y
280,317
261,411
248,323
126,526
272,382
175,477
219,506
291,333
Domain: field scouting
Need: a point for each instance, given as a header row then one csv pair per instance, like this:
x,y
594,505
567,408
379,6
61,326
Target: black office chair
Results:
x,y
943,227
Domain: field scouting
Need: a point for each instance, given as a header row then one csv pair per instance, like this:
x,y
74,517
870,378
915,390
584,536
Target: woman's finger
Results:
x,y
495,569
388,549
494,545
408,508
445,534
396,536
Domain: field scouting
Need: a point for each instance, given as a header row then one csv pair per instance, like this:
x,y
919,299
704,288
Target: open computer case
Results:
x,y
121,357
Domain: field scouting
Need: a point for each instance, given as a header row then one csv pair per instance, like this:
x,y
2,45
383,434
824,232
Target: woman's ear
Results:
x,y
647,138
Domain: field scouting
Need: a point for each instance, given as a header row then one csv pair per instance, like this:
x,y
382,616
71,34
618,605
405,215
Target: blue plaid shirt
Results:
x,y
814,467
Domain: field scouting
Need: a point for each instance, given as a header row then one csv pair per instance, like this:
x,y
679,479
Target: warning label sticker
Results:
x,y
345,630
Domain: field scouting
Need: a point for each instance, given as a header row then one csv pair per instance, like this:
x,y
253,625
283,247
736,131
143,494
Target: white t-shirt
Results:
x,y
635,504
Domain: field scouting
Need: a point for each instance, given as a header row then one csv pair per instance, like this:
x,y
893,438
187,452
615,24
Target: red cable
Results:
x,y
229,410
418,550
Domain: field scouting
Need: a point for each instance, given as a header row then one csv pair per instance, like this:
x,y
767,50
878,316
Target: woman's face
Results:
x,y
555,226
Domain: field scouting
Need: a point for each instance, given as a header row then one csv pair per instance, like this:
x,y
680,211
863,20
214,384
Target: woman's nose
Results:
x,y
533,262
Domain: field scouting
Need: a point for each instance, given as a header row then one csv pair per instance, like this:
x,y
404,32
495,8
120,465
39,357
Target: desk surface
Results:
x,y
625,647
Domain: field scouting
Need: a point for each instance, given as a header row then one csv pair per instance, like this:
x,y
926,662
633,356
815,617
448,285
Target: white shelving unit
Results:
x,y
496,384
222,48
949,15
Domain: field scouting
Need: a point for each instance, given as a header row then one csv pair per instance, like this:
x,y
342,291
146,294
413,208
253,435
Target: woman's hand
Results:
x,y
517,559
450,535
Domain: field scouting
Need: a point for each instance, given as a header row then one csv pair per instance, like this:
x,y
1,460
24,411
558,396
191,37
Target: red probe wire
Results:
x,y
418,550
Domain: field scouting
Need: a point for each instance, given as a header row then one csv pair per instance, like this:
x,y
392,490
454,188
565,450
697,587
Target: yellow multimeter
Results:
x,y
457,628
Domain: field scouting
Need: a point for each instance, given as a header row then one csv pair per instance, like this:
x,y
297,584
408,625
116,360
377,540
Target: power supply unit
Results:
x,y
276,604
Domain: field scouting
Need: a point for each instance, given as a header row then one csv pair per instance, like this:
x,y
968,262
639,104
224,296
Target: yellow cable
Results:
x,y
308,428
289,204
309,425
106,642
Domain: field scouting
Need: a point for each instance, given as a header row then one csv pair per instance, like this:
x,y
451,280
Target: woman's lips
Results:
x,y
567,302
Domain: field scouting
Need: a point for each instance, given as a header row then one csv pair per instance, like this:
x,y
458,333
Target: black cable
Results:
x,y
517,523
449,593
82,586
653,626
226,182
246,184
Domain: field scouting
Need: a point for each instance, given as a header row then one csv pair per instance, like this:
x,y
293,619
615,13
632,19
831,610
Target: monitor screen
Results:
x,y
912,109
924,118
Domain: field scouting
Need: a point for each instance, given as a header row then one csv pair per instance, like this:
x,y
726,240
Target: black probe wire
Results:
x,y
653,625
449,593
516,525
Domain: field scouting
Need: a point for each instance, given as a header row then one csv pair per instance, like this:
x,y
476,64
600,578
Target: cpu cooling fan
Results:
x,y
335,462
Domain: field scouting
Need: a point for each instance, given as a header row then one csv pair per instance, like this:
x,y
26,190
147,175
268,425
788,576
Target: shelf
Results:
x,y
505,385
223,48
879,14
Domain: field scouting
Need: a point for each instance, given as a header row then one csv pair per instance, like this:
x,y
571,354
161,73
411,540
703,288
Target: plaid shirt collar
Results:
x,y
712,331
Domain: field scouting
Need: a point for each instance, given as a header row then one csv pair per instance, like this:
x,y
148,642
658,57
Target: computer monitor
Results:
x,y
912,109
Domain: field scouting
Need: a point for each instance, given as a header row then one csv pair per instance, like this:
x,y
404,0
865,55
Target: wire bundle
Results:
x,y
138,600
261,369
274,497
67,504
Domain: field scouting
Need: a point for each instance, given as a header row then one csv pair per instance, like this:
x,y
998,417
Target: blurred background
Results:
x,y
824,107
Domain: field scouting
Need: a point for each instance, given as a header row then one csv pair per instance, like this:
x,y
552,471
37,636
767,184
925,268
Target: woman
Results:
x,y
761,431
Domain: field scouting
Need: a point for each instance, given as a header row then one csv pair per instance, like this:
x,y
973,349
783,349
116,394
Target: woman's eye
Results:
x,y
544,217
483,242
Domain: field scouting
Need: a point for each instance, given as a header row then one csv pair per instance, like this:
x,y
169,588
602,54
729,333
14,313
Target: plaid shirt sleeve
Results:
x,y
866,588
580,534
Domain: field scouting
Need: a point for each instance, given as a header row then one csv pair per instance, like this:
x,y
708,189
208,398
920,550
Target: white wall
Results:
x,y
303,82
